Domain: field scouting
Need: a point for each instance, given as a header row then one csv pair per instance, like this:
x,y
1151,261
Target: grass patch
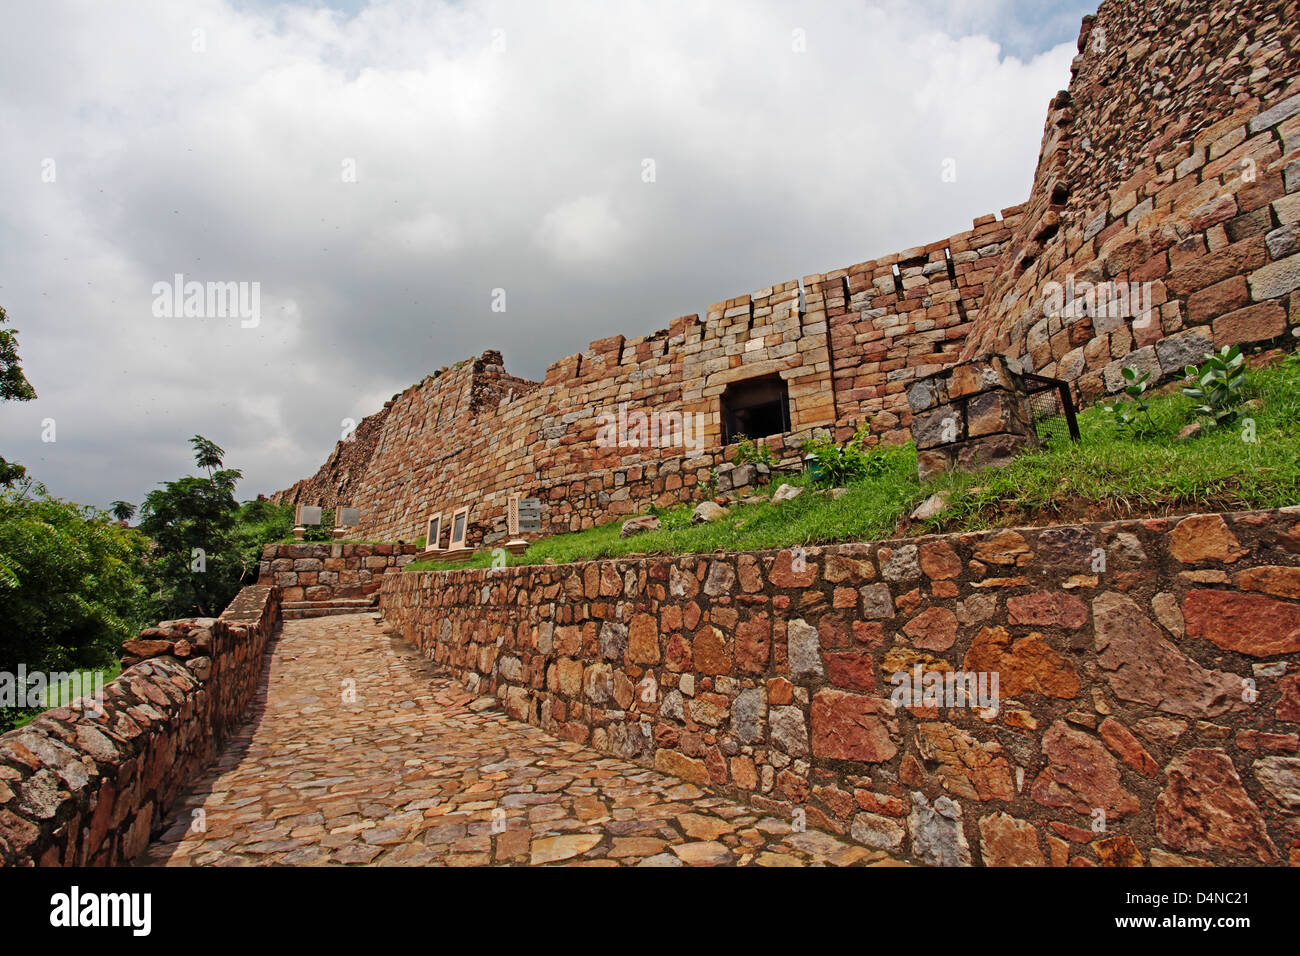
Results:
x,y
1110,474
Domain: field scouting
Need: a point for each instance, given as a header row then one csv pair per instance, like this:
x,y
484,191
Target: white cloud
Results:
x,y
582,231
476,169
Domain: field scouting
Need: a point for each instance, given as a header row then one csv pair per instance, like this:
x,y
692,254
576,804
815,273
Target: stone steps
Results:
x,y
298,610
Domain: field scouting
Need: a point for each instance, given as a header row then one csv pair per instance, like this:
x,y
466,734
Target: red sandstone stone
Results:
x,y
1124,745
1248,623
1204,538
1205,807
783,575
852,727
852,670
939,561
1081,774
1047,609
1024,665
934,629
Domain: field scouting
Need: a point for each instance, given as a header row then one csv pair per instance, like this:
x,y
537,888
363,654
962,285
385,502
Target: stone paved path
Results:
x,y
411,774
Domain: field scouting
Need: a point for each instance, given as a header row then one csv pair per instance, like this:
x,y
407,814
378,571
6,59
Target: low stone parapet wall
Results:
x,y
1118,693
88,784
326,571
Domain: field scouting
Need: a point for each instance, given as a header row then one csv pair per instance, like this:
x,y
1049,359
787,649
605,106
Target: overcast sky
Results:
x,y
380,168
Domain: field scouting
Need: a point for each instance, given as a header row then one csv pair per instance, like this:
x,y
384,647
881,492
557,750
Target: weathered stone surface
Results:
x,y
643,640
937,834
851,670
939,561
877,602
1204,807
721,579
1024,665
1001,547
1124,745
711,651
968,767
804,649
1081,775
707,511
789,732
1118,851
874,830
1142,666
1279,581
1048,609
934,629
1203,538
679,765
1007,841
902,564
1281,778
853,727
748,715
638,525
613,641
786,493
753,644
141,647
1251,624
557,848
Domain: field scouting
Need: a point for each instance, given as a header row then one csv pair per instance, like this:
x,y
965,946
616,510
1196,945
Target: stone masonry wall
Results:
x,y
323,571
1172,163
79,788
1173,160
1149,697
475,435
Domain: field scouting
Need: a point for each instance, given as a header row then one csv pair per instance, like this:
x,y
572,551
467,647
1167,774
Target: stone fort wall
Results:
x,y
1147,700
1172,161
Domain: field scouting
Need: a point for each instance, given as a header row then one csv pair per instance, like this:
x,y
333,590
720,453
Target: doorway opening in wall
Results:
x,y
755,408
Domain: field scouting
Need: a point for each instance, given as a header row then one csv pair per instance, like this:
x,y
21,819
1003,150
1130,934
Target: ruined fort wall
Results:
x,y
1173,160
845,343
90,785
1147,701
1172,163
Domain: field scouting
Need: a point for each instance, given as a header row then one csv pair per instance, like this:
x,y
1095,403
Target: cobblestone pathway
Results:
x,y
411,774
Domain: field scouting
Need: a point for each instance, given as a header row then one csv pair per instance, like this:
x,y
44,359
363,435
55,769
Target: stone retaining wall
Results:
x,y
327,570
1148,694
80,788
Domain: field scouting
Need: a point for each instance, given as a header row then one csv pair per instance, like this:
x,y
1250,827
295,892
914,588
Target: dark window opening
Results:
x,y
755,408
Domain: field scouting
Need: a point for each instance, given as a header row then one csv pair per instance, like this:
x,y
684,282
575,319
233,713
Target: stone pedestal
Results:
x,y
971,416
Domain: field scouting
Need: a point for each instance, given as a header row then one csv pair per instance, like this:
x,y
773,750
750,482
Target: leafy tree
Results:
x,y
13,387
70,586
13,383
122,510
200,557
207,454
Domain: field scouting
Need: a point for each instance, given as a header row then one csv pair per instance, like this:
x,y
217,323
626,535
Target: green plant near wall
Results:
x,y
751,452
1133,416
836,465
1219,385
323,531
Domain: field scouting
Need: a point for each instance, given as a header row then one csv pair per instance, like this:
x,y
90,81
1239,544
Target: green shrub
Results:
x,y
838,465
1133,416
751,452
1219,385
71,590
